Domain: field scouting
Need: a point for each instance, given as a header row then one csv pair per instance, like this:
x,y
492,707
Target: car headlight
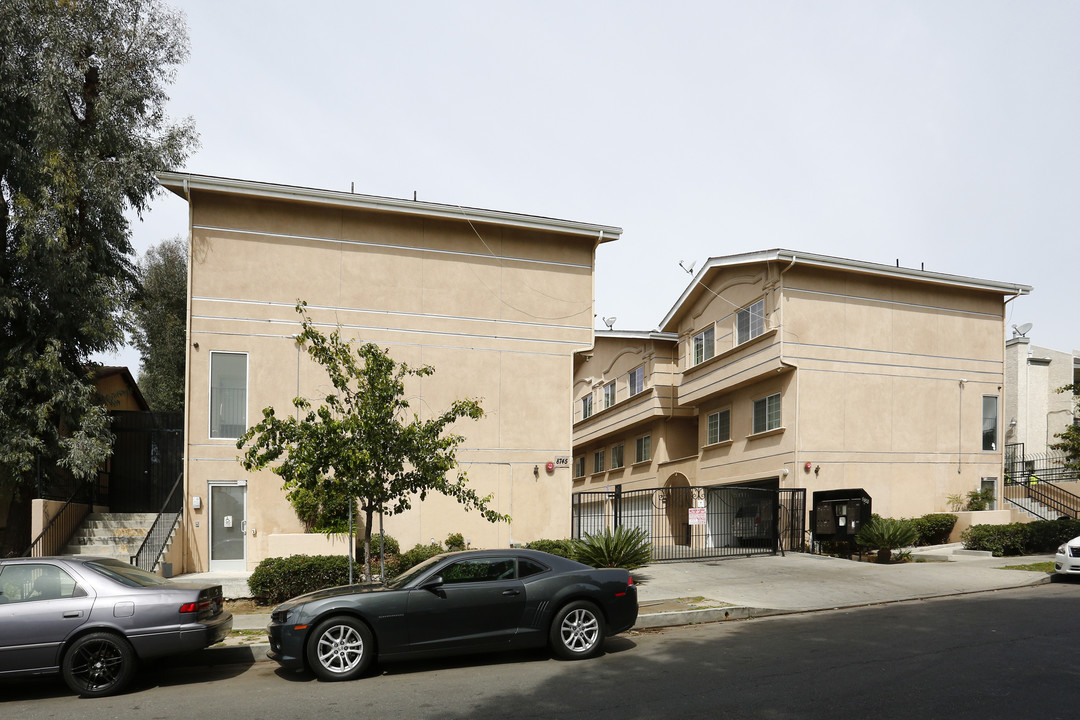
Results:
x,y
1062,550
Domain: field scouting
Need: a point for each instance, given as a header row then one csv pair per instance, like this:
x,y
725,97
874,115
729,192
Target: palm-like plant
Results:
x,y
887,534
622,547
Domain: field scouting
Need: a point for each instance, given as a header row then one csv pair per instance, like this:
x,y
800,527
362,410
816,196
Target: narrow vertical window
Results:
x,y
586,406
228,394
990,422
609,394
579,467
643,449
637,380
767,413
704,345
598,461
616,457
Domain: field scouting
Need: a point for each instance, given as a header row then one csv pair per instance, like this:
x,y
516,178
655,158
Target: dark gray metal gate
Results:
x,y
147,457
685,523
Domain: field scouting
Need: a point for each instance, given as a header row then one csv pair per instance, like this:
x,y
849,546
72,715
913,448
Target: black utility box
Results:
x,y
839,514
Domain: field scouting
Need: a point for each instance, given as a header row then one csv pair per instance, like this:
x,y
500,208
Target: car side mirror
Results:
x,y
433,583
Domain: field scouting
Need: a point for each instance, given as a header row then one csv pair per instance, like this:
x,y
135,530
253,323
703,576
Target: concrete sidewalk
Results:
x,y
683,593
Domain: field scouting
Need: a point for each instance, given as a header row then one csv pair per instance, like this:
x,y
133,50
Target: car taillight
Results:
x,y
629,584
631,581
195,606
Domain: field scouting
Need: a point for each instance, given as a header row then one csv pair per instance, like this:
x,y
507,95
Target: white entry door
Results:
x,y
228,528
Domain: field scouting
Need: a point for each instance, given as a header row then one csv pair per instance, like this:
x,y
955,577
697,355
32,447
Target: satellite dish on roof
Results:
x,y
610,322
1022,330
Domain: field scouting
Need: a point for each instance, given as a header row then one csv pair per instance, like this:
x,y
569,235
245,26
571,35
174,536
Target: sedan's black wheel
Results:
x,y
98,664
578,631
340,648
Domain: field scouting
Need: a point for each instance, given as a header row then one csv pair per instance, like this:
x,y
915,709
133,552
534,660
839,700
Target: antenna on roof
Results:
x,y
1022,330
610,322
689,270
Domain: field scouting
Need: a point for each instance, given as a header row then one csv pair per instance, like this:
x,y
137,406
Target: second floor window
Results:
x,y
637,380
609,394
579,467
643,449
767,413
989,422
228,394
750,322
598,461
704,345
719,427
586,406
616,456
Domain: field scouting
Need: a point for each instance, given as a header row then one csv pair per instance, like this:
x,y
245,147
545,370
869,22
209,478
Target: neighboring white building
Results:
x,y
1034,409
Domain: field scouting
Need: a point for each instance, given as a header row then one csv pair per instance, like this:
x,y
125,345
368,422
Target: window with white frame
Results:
x,y
579,466
586,407
228,394
750,322
990,422
598,461
616,457
643,449
767,413
704,345
637,380
609,394
719,427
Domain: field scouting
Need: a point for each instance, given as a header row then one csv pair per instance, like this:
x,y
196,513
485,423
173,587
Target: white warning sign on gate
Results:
x,y
697,516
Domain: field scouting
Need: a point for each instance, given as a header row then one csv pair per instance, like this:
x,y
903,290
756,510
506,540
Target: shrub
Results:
x,y
275,580
390,545
886,535
980,499
622,548
455,541
1047,535
998,539
398,564
933,529
562,548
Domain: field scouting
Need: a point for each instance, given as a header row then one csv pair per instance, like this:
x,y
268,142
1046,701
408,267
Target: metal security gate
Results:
x,y
685,523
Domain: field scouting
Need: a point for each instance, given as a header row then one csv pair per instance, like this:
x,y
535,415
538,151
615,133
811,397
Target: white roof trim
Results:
x,y
182,183
836,263
637,335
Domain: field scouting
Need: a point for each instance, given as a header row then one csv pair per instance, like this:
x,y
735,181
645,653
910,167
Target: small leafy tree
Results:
x,y
358,443
1070,437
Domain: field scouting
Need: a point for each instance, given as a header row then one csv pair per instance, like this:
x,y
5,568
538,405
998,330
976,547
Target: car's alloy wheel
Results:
x,y
340,649
578,631
99,664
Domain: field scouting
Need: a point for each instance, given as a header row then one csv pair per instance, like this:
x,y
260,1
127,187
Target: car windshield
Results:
x,y
125,574
406,577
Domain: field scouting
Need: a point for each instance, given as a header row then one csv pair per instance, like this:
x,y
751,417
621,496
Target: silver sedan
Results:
x,y
93,619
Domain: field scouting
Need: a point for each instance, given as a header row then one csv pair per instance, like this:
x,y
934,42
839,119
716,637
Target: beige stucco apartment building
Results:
x,y
789,370
498,303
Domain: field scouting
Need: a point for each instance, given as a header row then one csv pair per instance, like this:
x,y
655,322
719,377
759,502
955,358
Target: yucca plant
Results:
x,y
623,547
886,535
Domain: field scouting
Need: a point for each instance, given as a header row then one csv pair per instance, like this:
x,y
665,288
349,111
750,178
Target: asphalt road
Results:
x,y
1007,654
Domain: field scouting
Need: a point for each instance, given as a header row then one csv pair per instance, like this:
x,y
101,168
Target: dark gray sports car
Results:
x,y
472,601
93,619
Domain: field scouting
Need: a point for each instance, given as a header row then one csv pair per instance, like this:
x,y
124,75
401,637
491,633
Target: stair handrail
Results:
x,y
1051,496
157,534
61,514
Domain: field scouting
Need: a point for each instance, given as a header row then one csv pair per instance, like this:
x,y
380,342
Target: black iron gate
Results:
x,y
147,457
686,523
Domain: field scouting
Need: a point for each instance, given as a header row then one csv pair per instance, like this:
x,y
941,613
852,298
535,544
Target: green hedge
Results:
x,y
276,580
934,529
562,548
1031,538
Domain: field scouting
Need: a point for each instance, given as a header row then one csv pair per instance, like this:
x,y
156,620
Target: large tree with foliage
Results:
x,y
83,129
1070,438
159,324
360,443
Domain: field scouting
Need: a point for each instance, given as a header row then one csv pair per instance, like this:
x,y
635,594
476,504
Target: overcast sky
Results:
x,y
938,133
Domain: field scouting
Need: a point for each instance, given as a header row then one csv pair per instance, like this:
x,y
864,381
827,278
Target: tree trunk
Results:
x,y
16,537
368,512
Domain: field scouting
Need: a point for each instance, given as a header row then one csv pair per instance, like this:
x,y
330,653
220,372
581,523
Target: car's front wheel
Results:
x,y
340,648
98,664
578,631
